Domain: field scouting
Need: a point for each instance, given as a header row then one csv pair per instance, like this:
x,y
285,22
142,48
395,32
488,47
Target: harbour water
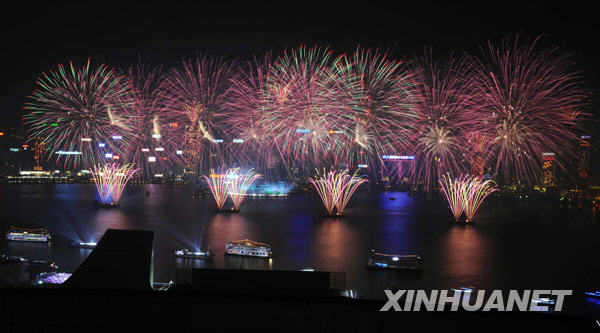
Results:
x,y
539,245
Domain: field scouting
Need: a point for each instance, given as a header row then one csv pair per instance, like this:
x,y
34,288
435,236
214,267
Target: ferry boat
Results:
x,y
391,261
4,259
249,248
82,245
187,254
52,278
544,301
28,235
465,290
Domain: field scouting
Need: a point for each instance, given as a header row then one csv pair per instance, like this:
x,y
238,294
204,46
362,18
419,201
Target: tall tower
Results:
x,y
39,149
548,169
478,143
584,158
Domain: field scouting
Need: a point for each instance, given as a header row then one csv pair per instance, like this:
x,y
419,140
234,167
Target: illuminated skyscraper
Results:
x,y
583,167
548,170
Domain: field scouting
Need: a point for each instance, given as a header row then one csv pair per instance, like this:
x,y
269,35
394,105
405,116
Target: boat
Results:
x,y
82,245
187,254
544,301
4,259
28,235
248,248
394,261
52,278
595,294
466,290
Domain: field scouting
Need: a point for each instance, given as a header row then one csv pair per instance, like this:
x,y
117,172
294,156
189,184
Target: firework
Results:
x,y
248,103
154,149
453,190
198,96
475,190
304,101
465,194
217,182
443,118
111,179
286,115
325,188
383,101
520,94
346,185
238,183
75,109
335,189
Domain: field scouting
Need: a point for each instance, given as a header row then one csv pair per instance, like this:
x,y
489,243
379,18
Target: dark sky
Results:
x,y
36,38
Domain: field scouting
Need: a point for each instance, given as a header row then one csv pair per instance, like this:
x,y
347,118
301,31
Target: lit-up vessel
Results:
x,y
394,261
544,301
595,294
28,235
52,278
466,290
83,245
187,254
249,248
4,259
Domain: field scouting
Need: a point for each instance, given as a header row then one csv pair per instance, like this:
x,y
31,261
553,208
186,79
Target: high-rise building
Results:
x,y
583,167
548,169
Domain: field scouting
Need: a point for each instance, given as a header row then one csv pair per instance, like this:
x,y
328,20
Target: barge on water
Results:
x,y
187,254
248,248
394,261
28,235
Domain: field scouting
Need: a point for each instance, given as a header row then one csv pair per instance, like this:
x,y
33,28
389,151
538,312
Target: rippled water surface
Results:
x,y
511,246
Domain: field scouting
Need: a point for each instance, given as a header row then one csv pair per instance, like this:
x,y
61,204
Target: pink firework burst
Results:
x,y
198,96
444,119
520,93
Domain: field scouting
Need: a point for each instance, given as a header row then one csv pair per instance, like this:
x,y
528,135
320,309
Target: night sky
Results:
x,y
36,38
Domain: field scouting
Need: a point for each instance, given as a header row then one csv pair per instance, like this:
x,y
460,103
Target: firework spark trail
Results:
x,y
238,183
217,182
335,189
76,108
474,191
443,118
384,102
521,92
152,131
325,188
248,103
198,94
305,100
453,190
466,193
111,179
305,109
346,185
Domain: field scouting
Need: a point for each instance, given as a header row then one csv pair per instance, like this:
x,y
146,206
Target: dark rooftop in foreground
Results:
x,y
121,260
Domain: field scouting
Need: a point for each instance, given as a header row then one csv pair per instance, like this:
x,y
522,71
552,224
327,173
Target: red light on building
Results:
x,y
115,157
